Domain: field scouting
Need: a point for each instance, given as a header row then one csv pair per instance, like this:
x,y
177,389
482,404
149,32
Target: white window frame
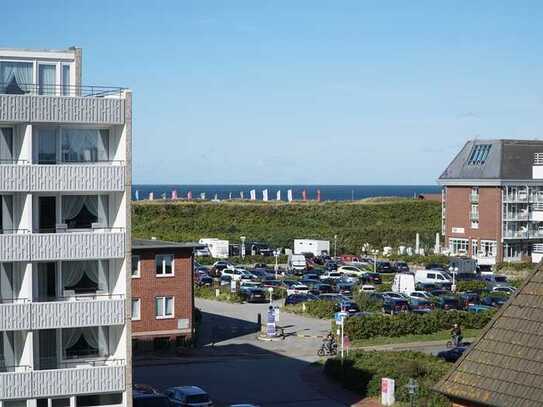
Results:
x,y
138,301
164,275
474,224
459,243
138,270
163,298
492,244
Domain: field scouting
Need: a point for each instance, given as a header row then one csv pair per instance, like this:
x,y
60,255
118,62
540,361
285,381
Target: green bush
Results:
x,y
515,266
251,260
316,309
362,372
224,295
380,223
413,324
420,260
472,285
365,303
384,287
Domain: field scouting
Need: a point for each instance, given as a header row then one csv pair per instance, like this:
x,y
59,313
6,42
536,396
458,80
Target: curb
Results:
x,y
265,338
310,336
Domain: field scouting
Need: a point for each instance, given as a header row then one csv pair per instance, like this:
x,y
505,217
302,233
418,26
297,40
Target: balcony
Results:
x,y
73,177
474,198
73,379
76,311
105,243
81,105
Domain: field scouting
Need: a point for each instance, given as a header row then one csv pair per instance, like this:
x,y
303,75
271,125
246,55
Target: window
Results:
x,y
6,145
65,80
81,343
475,224
488,248
440,277
82,211
47,79
84,277
136,305
135,266
458,246
164,307
68,145
479,154
164,265
16,77
99,400
431,276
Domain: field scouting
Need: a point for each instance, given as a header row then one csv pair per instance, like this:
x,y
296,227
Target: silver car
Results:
x,y
188,396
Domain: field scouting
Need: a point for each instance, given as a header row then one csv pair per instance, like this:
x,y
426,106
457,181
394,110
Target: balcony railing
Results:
x,y
474,198
103,176
86,244
58,104
69,312
32,89
78,379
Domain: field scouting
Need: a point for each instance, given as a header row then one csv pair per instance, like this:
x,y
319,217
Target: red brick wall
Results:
x,y
458,209
148,286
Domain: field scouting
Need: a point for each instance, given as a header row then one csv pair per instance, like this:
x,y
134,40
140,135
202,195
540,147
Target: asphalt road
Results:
x,y
235,367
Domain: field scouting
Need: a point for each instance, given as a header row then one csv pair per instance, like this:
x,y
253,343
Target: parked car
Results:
x,y
311,276
423,295
234,273
478,308
299,298
493,300
447,303
147,396
432,277
401,267
262,274
420,305
504,289
372,278
320,288
252,292
452,355
468,277
330,265
436,266
344,289
351,271
367,288
394,306
342,303
392,294
297,289
219,266
188,396
468,298
203,280
427,287
331,275
384,267
494,280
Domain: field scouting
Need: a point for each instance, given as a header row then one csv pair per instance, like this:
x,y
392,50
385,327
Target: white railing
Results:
x,y
31,384
74,177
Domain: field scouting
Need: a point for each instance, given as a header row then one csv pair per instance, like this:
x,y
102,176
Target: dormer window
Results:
x,y
479,154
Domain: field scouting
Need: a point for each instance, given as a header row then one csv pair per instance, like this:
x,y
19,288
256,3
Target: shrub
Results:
x,y
471,285
413,324
366,303
515,266
224,294
362,372
384,287
316,309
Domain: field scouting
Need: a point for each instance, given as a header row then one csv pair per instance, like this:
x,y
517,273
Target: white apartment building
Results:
x,y
65,159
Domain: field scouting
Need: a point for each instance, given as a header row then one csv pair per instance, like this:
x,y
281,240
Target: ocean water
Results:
x,y
327,192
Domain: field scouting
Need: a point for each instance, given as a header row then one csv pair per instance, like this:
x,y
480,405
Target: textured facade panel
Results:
x,y
61,109
77,178
69,314
14,178
14,247
15,317
62,382
77,246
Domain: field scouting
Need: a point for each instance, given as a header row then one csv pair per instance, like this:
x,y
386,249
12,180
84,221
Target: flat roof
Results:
x,y
140,244
44,53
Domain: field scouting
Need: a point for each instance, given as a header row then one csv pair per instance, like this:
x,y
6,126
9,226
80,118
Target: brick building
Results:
x,y
504,367
162,292
493,201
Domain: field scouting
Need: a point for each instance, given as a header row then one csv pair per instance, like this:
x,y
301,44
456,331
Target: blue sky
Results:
x,y
305,91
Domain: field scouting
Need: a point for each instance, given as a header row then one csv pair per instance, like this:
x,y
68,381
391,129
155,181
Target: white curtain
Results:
x,y
84,145
6,145
7,214
47,79
72,273
70,336
72,205
96,271
96,337
21,72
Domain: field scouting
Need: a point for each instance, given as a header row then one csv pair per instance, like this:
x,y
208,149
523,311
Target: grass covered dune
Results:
x,y
381,222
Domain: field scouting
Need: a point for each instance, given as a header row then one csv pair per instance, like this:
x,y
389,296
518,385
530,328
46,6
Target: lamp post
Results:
x,y
276,254
335,245
242,247
412,388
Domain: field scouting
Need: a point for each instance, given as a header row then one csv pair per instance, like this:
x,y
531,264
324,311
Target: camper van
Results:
x,y
296,263
437,277
403,283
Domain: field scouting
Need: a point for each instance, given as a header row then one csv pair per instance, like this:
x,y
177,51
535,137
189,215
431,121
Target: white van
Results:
x,y
403,283
296,263
431,277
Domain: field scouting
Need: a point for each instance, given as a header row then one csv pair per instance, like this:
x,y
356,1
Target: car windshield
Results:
x,y
198,398
500,279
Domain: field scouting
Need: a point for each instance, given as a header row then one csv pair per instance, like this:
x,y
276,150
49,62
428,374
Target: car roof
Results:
x,y
189,390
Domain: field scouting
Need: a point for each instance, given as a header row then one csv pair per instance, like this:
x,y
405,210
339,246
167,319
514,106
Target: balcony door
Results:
x,y
47,79
47,214
47,281
6,145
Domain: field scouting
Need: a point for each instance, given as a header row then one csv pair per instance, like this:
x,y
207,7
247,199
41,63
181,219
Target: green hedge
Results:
x,y
316,309
472,285
420,260
362,373
413,324
248,260
515,266
225,294
380,223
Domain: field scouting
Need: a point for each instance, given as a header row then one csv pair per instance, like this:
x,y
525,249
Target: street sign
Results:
x,y
340,317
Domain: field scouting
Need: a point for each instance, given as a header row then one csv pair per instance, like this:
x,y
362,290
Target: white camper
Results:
x,y
404,283
316,247
217,247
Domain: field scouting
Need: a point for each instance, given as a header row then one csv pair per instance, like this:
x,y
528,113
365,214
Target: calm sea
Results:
x,y
327,192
